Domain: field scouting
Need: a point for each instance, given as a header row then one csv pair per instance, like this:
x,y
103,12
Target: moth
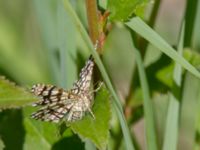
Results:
x,y
58,104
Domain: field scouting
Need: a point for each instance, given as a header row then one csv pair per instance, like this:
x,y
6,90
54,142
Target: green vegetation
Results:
x,y
150,97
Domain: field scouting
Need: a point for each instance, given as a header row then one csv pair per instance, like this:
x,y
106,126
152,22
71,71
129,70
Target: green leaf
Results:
x,y
192,56
148,109
122,10
46,135
137,25
71,143
39,135
165,75
97,130
12,96
2,146
11,128
34,137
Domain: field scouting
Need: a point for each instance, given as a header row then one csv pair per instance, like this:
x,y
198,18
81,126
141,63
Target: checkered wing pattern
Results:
x,y
53,112
48,94
57,103
83,84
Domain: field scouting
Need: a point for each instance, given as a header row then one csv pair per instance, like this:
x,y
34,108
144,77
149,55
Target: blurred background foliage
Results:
x,y
39,43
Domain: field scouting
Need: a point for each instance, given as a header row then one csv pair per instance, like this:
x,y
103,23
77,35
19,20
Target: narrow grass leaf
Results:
x,y
196,32
160,104
148,110
47,21
189,112
66,46
12,96
171,130
137,25
117,104
190,19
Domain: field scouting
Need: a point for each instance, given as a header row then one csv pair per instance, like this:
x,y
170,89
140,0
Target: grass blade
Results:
x,y
171,130
189,113
66,47
196,32
117,104
190,18
137,25
48,27
148,110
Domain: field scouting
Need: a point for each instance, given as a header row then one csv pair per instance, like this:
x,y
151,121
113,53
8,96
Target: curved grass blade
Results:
x,y
171,130
117,104
137,25
148,110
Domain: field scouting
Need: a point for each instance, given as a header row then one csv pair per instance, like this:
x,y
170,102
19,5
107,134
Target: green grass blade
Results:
x,y
137,25
171,130
117,104
47,24
170,137
196,32
62,46
189,112
178,69
148,110
66,47
190,18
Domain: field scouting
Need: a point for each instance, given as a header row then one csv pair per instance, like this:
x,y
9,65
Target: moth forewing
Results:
x,y
73,104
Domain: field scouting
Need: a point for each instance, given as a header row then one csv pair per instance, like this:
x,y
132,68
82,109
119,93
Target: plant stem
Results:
x,y
92,17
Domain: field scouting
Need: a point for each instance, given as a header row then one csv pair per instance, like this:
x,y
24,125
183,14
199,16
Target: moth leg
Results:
x,y
97,89
91,113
